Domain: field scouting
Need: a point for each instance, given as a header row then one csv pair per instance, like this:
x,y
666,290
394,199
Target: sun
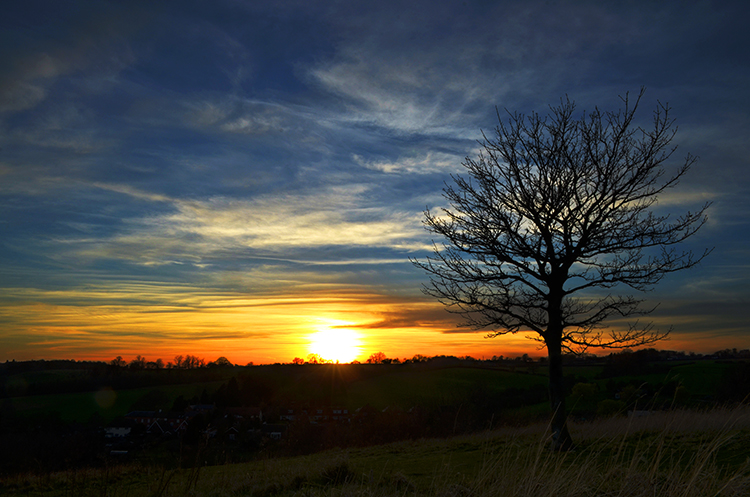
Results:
x,y
335,344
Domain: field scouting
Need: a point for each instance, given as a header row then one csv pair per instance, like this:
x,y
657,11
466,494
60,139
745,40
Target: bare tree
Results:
x,y
138,363
555,213
118,362
376,358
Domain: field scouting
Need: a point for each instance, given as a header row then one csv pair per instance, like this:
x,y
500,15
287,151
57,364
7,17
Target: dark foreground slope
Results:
x,y
679,453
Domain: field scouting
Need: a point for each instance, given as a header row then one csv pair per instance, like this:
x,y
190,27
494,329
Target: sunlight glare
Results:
x,y
335,344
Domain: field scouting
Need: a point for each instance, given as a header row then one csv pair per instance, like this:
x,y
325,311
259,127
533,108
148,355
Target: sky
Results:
x,y
248,179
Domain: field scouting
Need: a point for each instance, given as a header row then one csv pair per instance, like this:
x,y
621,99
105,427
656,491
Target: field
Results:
x,y
378,386
401,386
108,404
522,388
444,427
679,453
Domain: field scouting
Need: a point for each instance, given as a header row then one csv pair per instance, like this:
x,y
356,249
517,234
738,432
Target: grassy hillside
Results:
x,y
680,453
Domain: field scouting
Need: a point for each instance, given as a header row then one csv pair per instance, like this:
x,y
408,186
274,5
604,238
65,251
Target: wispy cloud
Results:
x,y
201,230
428,163
240,116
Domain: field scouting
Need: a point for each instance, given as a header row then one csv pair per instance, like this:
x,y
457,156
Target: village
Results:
x,y
251,428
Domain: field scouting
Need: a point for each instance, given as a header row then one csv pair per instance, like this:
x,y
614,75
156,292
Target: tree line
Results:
x,y
180,362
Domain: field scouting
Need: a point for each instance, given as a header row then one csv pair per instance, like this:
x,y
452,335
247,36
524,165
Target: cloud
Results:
x,y
441,67
96,44
408,314
132,192
66,127
234,115
681,197
197,231
155,318
428,163
26,85
23,95
399,95
329,217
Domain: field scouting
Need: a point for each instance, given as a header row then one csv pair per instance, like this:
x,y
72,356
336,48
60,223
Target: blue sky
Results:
x,y
228,177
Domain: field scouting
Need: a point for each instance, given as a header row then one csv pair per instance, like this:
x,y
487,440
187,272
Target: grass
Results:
x,y
670,454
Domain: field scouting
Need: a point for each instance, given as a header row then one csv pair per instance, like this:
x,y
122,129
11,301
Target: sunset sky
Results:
x,y
247,179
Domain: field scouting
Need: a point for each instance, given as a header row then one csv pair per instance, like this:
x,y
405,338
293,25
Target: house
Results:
x,y
288,415
120,428
339,414
161,422
245,413
196,409
330,414
232,433
144,418
273,431
117,431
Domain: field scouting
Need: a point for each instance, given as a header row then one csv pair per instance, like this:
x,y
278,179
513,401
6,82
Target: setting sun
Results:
x,y
335,344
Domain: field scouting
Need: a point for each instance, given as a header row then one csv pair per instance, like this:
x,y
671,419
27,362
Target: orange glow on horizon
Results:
x,y
99,324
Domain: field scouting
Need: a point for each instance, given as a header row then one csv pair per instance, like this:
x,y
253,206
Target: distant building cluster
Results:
x,y
228,424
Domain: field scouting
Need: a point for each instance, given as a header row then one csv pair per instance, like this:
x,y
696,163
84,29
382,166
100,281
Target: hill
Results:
x,y
680,453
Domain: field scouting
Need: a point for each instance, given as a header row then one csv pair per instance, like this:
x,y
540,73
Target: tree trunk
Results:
x,y
561,439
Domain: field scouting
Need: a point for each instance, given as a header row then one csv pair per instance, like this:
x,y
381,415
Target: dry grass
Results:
x,y
720,419
666,454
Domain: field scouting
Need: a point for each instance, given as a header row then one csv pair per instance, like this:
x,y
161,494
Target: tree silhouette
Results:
x,y
118,362
315,359
221,362
376,358
555,213
138,363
